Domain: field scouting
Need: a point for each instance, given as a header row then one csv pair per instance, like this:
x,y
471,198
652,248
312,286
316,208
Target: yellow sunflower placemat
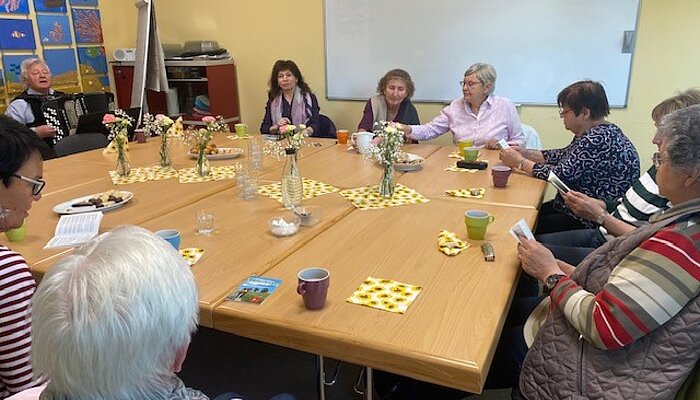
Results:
x,y
192,254
455,168
473,193
159,173
189,175
236,137
455,154
385,294
450,244
136,175
312,188
368,197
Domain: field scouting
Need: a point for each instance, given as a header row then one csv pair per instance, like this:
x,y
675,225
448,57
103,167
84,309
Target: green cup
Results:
x,y
17,234
477,221
462,144
241,130
470,153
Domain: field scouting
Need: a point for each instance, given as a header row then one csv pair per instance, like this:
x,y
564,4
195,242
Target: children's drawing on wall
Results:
x,y
12,65
16,34
87,25
64,71
53,29
14,6
50,5
92,60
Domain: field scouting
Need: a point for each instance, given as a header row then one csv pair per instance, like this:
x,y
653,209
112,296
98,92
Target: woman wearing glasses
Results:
x,y
21,168
600,161
480,115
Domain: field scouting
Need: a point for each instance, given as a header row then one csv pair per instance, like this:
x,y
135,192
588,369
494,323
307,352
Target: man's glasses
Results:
x,y
657,159
468,84
563,111
37,184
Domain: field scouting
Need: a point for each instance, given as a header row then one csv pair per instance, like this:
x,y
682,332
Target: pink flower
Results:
x,y
208,119
159,117
109,119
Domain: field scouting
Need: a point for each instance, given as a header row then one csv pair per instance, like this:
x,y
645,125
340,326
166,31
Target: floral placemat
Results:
x,y
455,154
159,173
455,168
450,244
312,188
473,193
136,175
189,175
368,197
236,137
385,294
192,254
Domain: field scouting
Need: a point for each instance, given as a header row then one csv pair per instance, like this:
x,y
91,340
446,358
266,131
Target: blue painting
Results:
x,y
2,86
64,71
16,34
14,6
50,5
53,29
87,26
92,60
83,3
12,65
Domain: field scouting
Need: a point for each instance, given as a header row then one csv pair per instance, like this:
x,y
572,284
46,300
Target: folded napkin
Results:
x,y
385,294
450,244
472,193
192,254
176,129
455,168
112,148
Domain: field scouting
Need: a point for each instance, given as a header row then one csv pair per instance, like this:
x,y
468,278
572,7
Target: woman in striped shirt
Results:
x,y
21,169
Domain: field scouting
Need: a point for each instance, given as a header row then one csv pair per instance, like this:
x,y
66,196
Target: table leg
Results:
x,y
321,380
369,388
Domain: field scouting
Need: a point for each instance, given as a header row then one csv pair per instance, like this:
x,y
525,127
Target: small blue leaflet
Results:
x,y
255,289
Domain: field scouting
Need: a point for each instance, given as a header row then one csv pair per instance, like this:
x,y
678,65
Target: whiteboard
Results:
x,y
538,47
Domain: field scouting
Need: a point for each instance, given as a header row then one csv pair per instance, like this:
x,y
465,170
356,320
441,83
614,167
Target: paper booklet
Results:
x,y
503,144
255,289
521,230
557,183
76,229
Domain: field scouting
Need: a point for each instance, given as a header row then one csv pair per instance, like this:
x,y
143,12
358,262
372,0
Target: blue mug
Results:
x,y
171,236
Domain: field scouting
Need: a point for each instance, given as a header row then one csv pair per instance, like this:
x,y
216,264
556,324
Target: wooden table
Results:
x,y
447,336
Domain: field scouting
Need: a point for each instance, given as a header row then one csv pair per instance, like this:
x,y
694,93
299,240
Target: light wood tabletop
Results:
x,y
522,190
447,336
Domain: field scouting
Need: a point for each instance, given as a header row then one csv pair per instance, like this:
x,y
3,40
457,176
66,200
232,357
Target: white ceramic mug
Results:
x,y
361,140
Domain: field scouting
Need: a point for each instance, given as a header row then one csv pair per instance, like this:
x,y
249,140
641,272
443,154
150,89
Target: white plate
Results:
x,y
67,207
224,153
414,163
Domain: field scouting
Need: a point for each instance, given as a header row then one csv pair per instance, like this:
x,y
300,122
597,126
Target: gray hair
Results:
x,y
485,73
109,320
28,63
682,130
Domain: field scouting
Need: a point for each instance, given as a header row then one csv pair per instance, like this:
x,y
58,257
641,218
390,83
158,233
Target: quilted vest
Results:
x,y
563,365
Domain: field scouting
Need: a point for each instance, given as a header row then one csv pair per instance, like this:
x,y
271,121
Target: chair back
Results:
x,y
93,102
326,128
532,139
79,143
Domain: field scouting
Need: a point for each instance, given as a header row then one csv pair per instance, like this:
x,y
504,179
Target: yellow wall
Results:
x,y
259,32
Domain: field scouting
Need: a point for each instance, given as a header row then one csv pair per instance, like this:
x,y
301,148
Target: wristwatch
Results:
x,y
520,164
601,218
551,282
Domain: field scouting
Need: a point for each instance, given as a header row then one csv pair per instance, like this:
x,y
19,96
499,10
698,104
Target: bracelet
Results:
x,y
520,164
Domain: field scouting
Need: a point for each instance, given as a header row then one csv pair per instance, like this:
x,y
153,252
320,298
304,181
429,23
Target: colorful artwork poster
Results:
x,y
12,64
14,6
92,60
87,25
50,6
53,29
83,3
64,71
3,94
16,34
95,83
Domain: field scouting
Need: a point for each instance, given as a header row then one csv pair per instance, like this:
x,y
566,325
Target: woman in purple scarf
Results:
x,y
290,100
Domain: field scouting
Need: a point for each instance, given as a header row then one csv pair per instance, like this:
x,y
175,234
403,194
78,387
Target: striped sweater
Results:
x,y
16,290
645,290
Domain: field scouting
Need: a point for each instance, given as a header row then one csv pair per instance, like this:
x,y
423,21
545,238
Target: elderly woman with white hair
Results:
x,y
480,115
26,107
114,319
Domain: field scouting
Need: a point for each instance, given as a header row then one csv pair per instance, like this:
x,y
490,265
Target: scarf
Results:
x,y
301,107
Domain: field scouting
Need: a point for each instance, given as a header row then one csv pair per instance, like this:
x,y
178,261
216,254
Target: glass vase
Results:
x,y
165,161
123,166
387,185
202,162
292,185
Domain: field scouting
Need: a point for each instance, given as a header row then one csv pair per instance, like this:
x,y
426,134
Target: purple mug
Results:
x,y
313,287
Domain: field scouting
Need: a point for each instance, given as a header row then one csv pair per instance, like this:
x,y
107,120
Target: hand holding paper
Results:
x,y
557,183
521,230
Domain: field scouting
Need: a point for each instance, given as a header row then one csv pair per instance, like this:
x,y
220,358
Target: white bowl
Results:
x,y
284,225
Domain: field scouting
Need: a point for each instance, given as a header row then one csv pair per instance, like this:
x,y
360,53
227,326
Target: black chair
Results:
x,y
326,128
79,143
93,102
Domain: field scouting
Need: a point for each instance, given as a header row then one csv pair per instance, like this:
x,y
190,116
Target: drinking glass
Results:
x,y
205,222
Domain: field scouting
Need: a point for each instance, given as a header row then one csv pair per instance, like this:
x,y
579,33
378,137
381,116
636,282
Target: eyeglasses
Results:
x,y
37,184
563,111
657,159
469,84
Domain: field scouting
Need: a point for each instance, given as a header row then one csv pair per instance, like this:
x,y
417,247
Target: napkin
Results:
x,y
112,148
236,137
385,294
176,129
189,175
455,168
192,254
466,193
450,244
